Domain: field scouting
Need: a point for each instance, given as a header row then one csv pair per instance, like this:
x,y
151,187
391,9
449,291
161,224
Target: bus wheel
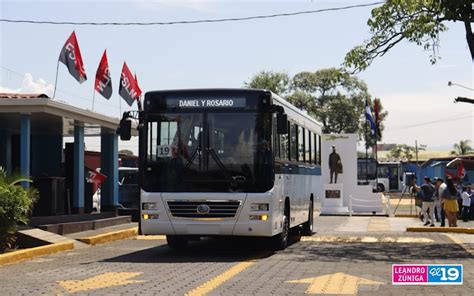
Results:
x,y
380,188
308,225
176,242
280,241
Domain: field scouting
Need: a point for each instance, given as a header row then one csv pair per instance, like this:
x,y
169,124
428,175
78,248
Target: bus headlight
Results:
x,y
259,217
150,206
259,207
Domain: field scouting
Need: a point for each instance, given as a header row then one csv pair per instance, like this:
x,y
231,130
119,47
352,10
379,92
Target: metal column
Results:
x,y
78,169
25,136
109,198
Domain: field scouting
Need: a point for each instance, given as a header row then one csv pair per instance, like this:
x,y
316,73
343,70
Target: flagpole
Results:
x,y
120,107
93,100
56,80
366,150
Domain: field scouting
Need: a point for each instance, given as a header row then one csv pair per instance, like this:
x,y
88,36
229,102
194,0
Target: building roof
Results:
x,y
51,116
22,96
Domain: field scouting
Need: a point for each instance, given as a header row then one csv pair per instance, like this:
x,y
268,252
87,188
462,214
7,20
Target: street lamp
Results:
x,y
461,99
450,83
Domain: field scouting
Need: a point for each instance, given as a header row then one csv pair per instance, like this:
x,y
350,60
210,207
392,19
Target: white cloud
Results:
x,y
29,85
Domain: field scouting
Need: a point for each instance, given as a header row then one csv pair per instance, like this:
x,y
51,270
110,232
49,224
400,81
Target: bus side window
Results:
x,y
301,144
284,146
319,150
276,142
293,142
307,146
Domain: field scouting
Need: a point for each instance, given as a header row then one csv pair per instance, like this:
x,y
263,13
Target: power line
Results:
x,y
430,122
192,21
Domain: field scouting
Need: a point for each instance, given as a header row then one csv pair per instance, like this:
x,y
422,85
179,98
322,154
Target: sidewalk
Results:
x,y
346,224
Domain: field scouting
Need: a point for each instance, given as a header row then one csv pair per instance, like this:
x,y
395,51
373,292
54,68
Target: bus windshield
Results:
x,y
208,152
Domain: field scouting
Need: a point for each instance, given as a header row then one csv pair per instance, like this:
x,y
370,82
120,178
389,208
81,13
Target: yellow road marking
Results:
x,y
150,237
104,280
459,242
338,283
220,279
366,239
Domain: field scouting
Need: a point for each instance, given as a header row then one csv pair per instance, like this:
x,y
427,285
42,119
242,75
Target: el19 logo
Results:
x,y
445,274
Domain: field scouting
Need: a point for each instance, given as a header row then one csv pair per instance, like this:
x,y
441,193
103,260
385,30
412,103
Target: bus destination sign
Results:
x,y
217,102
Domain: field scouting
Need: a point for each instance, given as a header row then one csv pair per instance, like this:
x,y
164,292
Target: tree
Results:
x,y
462,148
332,96
277,82
126,152
337,98
403,151
418,21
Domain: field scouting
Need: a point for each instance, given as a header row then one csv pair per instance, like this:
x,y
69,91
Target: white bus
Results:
x,y
226,162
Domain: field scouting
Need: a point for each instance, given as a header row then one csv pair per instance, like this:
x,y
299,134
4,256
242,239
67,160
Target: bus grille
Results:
x,y
204,209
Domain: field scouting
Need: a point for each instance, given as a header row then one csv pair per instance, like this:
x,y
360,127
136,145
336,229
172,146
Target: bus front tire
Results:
x,y
308,225
380,187
176,242
280,241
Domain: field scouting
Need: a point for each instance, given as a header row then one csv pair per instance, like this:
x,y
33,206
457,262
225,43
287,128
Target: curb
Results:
x,y
25,254
109,236
441,229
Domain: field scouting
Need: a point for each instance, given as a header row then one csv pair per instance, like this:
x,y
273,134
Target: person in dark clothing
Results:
x,y
426,192
335,164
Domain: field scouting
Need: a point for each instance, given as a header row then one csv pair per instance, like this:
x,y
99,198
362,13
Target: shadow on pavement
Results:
x,y
206,250
383,252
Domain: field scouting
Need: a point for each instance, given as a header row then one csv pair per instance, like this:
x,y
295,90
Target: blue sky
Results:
x,y
227,54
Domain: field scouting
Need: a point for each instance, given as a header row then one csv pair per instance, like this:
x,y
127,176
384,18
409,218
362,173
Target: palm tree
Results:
x,y
462,148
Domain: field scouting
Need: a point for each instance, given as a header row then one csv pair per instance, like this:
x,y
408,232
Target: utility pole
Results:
x,y
416,151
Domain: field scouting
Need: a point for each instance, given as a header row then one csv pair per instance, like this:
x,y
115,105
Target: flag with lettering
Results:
x,y
71,57
128,88
103,82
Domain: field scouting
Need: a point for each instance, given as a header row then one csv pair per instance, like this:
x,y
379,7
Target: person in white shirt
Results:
x,y
466,204
440,186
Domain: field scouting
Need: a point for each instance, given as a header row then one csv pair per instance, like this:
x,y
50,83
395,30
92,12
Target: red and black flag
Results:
x,y
103,82
71,57
128,89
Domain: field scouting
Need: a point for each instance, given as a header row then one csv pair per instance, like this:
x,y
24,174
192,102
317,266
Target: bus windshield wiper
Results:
x,y
196,152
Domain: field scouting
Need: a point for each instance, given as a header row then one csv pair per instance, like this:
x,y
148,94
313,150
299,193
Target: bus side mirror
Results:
x,y
125,129
282,123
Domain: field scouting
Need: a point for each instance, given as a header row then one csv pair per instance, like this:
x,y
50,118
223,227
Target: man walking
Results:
x,y
335,165
427,191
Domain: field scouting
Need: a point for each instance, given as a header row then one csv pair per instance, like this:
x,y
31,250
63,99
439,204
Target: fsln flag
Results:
x,y
103,82
128,88
370,119
139,90
71,57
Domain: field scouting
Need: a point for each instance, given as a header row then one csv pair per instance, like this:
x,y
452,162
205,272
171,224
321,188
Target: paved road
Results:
x,y
327,263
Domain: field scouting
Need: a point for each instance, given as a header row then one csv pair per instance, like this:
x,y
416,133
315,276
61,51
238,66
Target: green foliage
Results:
x,y
15,206
276,82
404,151
126,152
417,21
332,96
462,148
